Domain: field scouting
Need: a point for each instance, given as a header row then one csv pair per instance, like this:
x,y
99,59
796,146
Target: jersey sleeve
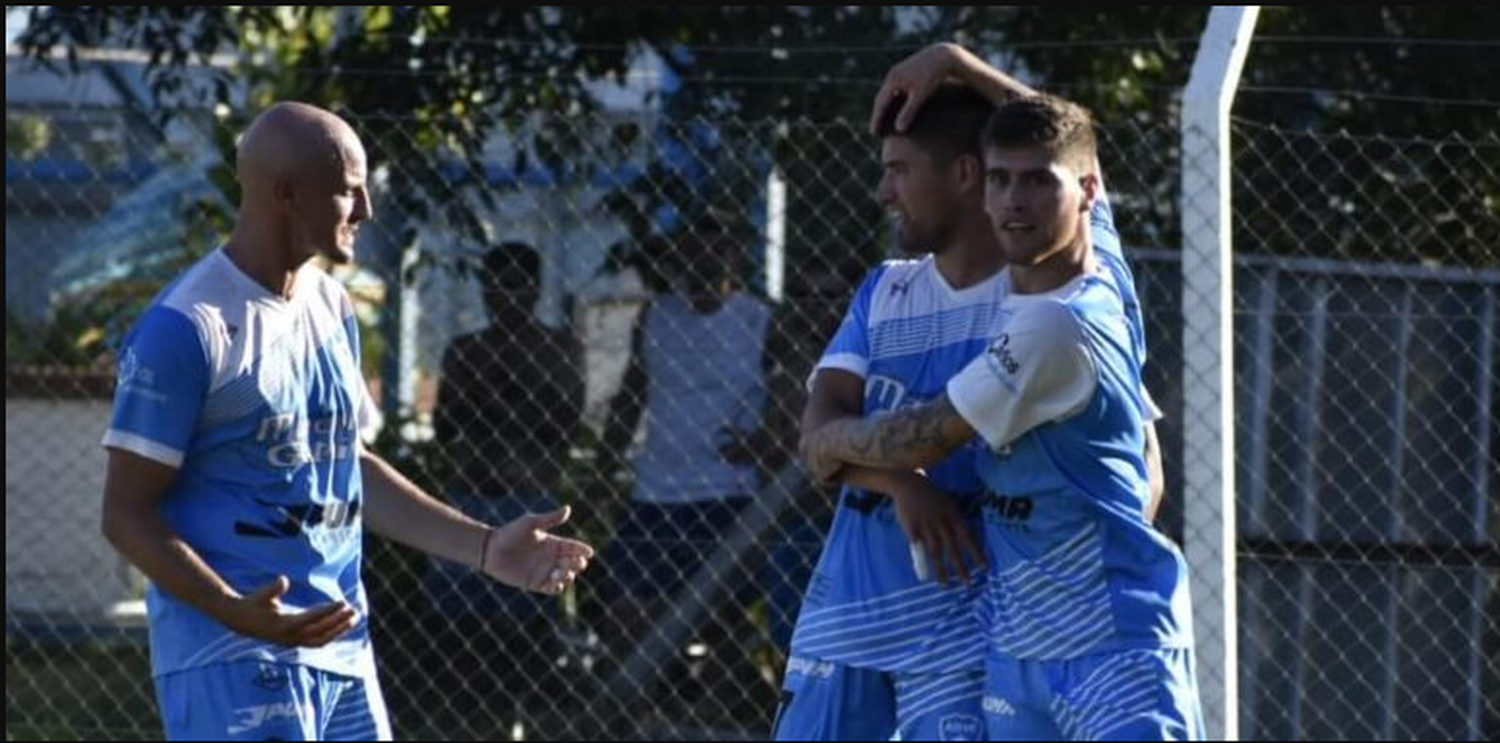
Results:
x,y
1038,370
1106,239
849,349
161,381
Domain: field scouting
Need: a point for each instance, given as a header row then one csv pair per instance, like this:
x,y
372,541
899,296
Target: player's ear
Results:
x,y
968,172
1090,184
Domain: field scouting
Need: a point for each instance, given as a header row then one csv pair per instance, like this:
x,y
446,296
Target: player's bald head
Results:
x,y
302,174
295,141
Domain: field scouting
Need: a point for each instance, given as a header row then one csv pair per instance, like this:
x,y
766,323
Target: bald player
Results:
x,y
237,480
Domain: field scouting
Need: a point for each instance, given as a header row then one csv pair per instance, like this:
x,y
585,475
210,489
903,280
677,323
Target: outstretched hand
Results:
x,y
525,554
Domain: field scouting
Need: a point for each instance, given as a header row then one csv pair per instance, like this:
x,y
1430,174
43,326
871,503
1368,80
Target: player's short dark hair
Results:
x,y
1062,127
946,126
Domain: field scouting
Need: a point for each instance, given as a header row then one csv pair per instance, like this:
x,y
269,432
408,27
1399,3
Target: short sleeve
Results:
x,y
849,349
162,379
1037,370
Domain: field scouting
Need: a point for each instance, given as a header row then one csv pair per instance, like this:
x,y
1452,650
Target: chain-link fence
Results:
x,y
625,324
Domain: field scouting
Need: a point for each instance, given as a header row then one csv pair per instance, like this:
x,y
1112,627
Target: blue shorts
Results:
x,y
1125,695
256,700
830,701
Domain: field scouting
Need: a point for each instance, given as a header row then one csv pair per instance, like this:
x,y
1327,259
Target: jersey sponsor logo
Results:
x,y
960,727
251,718
300,518
132,371
809,667
999,706
883,393
135,378
335,436
1002,357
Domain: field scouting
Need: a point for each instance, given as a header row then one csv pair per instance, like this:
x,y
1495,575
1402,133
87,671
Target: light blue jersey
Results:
x,y
1076,568
1086,608
906,333
877,649
258,402
1111,257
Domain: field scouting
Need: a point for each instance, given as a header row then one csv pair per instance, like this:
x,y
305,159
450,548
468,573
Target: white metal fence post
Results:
x,y
1208,358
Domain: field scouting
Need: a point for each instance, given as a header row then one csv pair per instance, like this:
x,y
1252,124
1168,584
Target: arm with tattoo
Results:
x,y
905,439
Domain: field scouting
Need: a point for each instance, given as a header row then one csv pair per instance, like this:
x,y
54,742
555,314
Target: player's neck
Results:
x,y
973,257
1056,270
263,258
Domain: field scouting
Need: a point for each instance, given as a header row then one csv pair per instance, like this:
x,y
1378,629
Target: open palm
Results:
x,y
525,554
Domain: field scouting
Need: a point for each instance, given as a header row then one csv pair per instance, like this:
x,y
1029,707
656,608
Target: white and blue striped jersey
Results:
x,y
258,401
1075,567
906,333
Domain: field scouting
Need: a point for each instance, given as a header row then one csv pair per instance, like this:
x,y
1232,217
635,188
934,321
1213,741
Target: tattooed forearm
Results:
x,y
913,437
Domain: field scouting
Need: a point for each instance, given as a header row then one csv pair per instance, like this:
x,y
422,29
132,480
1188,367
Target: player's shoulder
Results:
x,y
1055,316
887,271
202,299
206,282
328,291
1102,294
1047,319
1083,312
897,270
893,279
